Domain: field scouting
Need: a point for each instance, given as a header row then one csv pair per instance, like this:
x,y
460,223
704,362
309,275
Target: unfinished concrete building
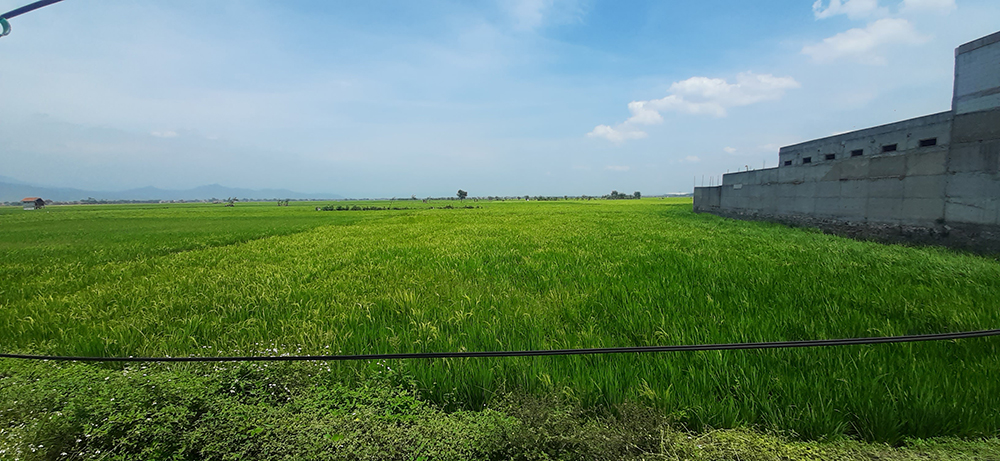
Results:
x,y
932,178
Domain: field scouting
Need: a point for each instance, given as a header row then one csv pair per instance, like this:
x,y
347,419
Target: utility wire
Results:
x,y
5,26
27,8
533,353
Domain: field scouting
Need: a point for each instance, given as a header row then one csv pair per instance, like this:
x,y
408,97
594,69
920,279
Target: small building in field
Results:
x,y
32,203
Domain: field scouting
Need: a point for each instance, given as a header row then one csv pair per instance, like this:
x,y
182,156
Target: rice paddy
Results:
x,y
202,279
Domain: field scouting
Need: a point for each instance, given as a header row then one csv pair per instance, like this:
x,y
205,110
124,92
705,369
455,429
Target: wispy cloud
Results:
x,y
936,6
729,150
866,45
698,96
854,9
534,14
164,134
712,96
617,168
616,135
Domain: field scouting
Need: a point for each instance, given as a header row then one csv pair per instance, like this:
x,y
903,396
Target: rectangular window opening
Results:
x,y
889,148
830,156
788,162
807,159
857,152
928,142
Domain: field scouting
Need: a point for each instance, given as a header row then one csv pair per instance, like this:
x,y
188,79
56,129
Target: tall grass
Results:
x,y
537,275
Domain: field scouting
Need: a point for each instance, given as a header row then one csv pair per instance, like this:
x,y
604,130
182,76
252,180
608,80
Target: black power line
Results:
x,y
27,8
19,11
533,353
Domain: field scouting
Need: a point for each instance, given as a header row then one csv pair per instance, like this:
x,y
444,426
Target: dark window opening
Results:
x,y
857,152
788,162
807,159
831,156
928,142
889,148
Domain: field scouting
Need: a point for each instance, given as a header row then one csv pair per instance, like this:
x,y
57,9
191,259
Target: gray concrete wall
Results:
x,y
906,135
919,186
977,80
972,193
901,189
707,199
938,171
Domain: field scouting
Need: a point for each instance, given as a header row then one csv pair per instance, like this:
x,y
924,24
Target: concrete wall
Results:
x,y
977,80
901,189
927,186
972,193
707,199
933,171
905,135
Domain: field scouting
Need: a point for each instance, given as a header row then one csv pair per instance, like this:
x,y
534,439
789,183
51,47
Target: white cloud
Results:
x,y
164,134
703,95
698,95
643,114
617,168
854,9
864,45
615,135
691,159
937,6
729,150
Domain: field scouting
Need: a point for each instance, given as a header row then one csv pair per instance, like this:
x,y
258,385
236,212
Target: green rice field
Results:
x,y
257,279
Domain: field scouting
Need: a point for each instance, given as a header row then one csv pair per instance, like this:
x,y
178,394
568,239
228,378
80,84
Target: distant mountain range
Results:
x,y
12,190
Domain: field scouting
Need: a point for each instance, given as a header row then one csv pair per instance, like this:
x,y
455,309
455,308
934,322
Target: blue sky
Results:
x,y
381,99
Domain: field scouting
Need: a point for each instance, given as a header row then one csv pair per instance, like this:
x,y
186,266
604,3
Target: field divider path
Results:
x,y
535,353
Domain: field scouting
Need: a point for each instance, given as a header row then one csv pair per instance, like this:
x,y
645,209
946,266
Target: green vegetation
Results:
x,y
302,411
261,279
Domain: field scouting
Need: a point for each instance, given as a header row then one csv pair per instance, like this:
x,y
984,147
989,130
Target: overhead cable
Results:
x,y
531,353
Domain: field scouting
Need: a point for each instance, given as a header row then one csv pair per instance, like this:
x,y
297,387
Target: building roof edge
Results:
x,y
943,115
978,43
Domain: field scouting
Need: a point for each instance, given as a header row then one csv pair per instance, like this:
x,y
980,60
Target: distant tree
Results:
x,y
413,197
637,195
462,194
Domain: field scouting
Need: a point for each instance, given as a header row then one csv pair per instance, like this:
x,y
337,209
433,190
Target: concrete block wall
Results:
x,y
972,191
905,135
706,199
938,170
902,189
977,82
